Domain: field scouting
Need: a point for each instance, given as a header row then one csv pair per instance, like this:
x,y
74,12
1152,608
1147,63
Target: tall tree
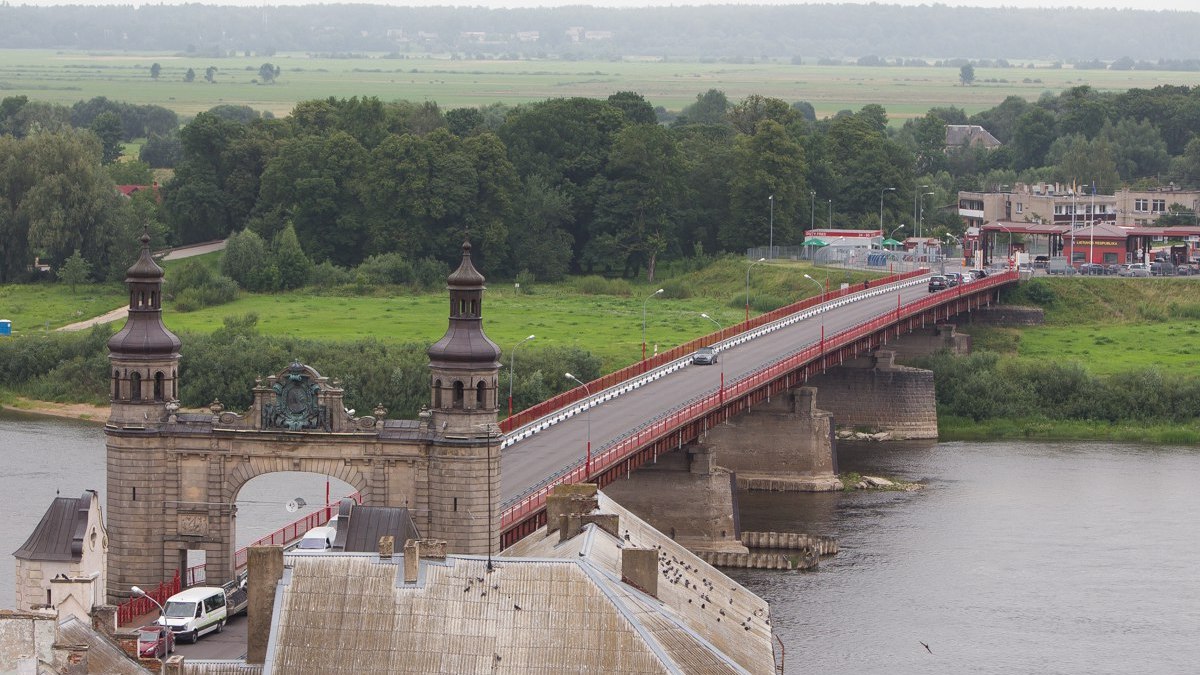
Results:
x,y
966,74
767,164
155,70
107,127
74,271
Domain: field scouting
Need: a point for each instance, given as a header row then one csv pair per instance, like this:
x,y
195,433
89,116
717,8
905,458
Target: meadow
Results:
x,y
68,76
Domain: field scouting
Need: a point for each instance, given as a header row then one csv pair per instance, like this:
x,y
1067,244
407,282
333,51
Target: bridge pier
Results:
x,y
685,496
784,443
873,393
930,339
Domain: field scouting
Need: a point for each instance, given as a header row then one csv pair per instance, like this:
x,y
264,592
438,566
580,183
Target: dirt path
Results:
x,y
118,313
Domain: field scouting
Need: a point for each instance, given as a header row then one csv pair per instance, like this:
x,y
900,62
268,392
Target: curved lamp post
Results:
x,y
512,362
771,239
644,322
822,320
162,669
748,267
895,230
587,464
917,191
721,396
812,208
819,286
891,189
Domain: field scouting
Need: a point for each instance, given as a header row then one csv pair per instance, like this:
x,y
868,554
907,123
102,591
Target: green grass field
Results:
x,y
67,76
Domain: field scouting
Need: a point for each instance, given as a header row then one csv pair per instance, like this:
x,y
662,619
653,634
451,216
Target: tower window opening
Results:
x,y
458,394
116,385
135,386
158,386
437,393
479,395
474,308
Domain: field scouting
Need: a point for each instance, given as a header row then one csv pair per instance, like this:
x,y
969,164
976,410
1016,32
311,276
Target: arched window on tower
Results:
x,y
174,385
135,386
474,308
480,395
158,386
116,385
437,393
458,394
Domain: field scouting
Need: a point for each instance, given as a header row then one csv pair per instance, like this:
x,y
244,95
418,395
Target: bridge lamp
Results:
x,y
722,389
512,362
587,465
644,321
748,289
891,189
162,668
820,287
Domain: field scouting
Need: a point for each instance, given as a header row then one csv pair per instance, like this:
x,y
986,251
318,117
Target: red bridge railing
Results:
x,y
600,384
535,501
141,606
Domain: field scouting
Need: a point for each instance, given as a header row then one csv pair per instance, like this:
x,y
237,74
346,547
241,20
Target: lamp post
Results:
x,y
512,363
771,237
644,321
748,268
831,214
162,668
721,391
819,286
488,428
881,192
812,208
587,464
822,320
895,230
917,192
921,214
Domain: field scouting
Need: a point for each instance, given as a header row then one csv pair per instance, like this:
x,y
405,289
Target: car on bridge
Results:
x,y
155,642
938,282
705,356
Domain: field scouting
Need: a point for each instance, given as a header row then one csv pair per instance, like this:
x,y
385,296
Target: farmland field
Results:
x,y
66,77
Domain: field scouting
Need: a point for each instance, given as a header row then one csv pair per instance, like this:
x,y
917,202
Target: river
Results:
x,y
1016,557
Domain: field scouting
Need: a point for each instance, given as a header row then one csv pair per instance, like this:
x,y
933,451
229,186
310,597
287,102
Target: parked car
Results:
x,y
977,274
155,642
1139,270
198,611
954,278
1091,269
319,538
938,282
1040,262
705,356
1162,269
1184,270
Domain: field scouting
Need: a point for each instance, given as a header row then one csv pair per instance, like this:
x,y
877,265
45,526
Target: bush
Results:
x,y
195,286
430,273
328,275
676,290
384,269
597,285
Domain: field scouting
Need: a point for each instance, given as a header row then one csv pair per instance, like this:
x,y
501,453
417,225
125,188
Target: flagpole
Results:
x,y
1092,233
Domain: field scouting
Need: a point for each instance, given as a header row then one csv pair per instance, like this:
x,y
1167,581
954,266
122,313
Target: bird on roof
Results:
x,y
926,647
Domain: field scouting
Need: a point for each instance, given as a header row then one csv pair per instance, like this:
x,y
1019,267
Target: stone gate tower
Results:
x,y
464,467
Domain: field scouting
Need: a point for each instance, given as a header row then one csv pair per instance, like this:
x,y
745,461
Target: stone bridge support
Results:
x,y
875,394
684,495
785,443
929,340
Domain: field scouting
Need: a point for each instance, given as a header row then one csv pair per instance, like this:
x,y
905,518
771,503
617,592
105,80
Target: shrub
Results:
x,y
676,290
597,285
383,269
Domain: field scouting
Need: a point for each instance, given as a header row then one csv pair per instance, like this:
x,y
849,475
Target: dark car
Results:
x,y
977,274
1091,269
705,356
938,282
954,278
155,642
1162,269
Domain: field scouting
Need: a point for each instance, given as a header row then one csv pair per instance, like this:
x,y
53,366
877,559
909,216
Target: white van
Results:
x,y
317,539
195,612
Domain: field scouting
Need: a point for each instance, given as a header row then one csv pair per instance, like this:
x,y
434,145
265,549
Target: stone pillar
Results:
x,y
876,395
685,497
136,519
785,443
265,564
459,499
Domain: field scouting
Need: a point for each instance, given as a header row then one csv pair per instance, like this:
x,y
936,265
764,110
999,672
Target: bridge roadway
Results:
x,y
529,462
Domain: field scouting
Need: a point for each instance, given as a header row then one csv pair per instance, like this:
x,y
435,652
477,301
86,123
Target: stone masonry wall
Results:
x,y
886,397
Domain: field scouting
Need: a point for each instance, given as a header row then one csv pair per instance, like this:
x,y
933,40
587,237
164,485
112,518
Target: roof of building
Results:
x,y
59,535
360,527
1106,230
144,333
103,656
972,134
549,606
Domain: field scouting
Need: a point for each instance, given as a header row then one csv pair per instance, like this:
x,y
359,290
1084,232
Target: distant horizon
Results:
x,y
1187,6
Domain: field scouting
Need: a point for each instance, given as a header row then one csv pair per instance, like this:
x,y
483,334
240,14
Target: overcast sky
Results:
x,y
1179,5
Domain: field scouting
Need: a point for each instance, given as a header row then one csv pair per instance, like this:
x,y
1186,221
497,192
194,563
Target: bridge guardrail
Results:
x,y
602,384
535,500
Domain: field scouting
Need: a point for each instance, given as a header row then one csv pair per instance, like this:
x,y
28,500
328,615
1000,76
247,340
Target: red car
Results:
x,y
155,642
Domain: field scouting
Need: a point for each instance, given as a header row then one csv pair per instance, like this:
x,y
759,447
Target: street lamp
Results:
x,y
644,321
771,239
721,391
512,363
748,268
488,428
916,192
819,286
895,230
831,214
892,189
587,465
921,215
162,668
812,208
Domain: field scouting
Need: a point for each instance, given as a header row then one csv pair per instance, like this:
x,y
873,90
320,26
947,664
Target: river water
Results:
x,y
1014,558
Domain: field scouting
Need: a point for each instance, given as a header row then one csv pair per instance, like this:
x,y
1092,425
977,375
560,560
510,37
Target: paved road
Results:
x,y
528,462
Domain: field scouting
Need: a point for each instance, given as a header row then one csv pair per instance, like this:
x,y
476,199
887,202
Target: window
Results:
x,y
1020,207
458,394
116,385
158,386
1159,206
1141,205
437,393
135,386
479,395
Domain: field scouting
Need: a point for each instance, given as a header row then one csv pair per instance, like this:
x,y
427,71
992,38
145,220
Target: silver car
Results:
x,y
705,356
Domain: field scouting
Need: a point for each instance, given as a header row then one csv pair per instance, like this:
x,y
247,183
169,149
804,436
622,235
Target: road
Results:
x,y
528,462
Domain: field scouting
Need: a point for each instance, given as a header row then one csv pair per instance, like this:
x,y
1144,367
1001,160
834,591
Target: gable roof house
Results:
x,y
958,135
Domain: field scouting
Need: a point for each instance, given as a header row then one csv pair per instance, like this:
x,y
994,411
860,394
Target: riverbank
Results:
x,y
77,411
962,429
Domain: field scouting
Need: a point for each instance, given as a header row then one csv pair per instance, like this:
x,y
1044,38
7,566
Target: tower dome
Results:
x,y
465,345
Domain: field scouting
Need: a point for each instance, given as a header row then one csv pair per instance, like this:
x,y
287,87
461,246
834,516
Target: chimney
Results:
x,y
104,619
387,546
639,568
576,498
412,560
266,569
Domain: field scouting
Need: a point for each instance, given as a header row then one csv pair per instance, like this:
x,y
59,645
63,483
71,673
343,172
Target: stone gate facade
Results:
x,y
173,478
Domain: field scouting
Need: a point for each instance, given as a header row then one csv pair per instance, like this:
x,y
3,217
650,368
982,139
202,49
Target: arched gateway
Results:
x,y
173,478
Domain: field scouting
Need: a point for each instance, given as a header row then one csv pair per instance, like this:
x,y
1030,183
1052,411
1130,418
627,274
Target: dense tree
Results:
x,y
709,108
210,74
267,73
190,75
245,260
132,172
107,127
1082,162
1137,147
767,164
74,271
155,70
636,108
295,269
966,74
1032,136
543,247
747,114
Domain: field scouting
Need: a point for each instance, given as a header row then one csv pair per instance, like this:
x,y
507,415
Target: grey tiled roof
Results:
x,y
59,535
104,657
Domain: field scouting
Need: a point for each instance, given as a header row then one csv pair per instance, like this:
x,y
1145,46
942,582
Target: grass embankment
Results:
x,y
1110,328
